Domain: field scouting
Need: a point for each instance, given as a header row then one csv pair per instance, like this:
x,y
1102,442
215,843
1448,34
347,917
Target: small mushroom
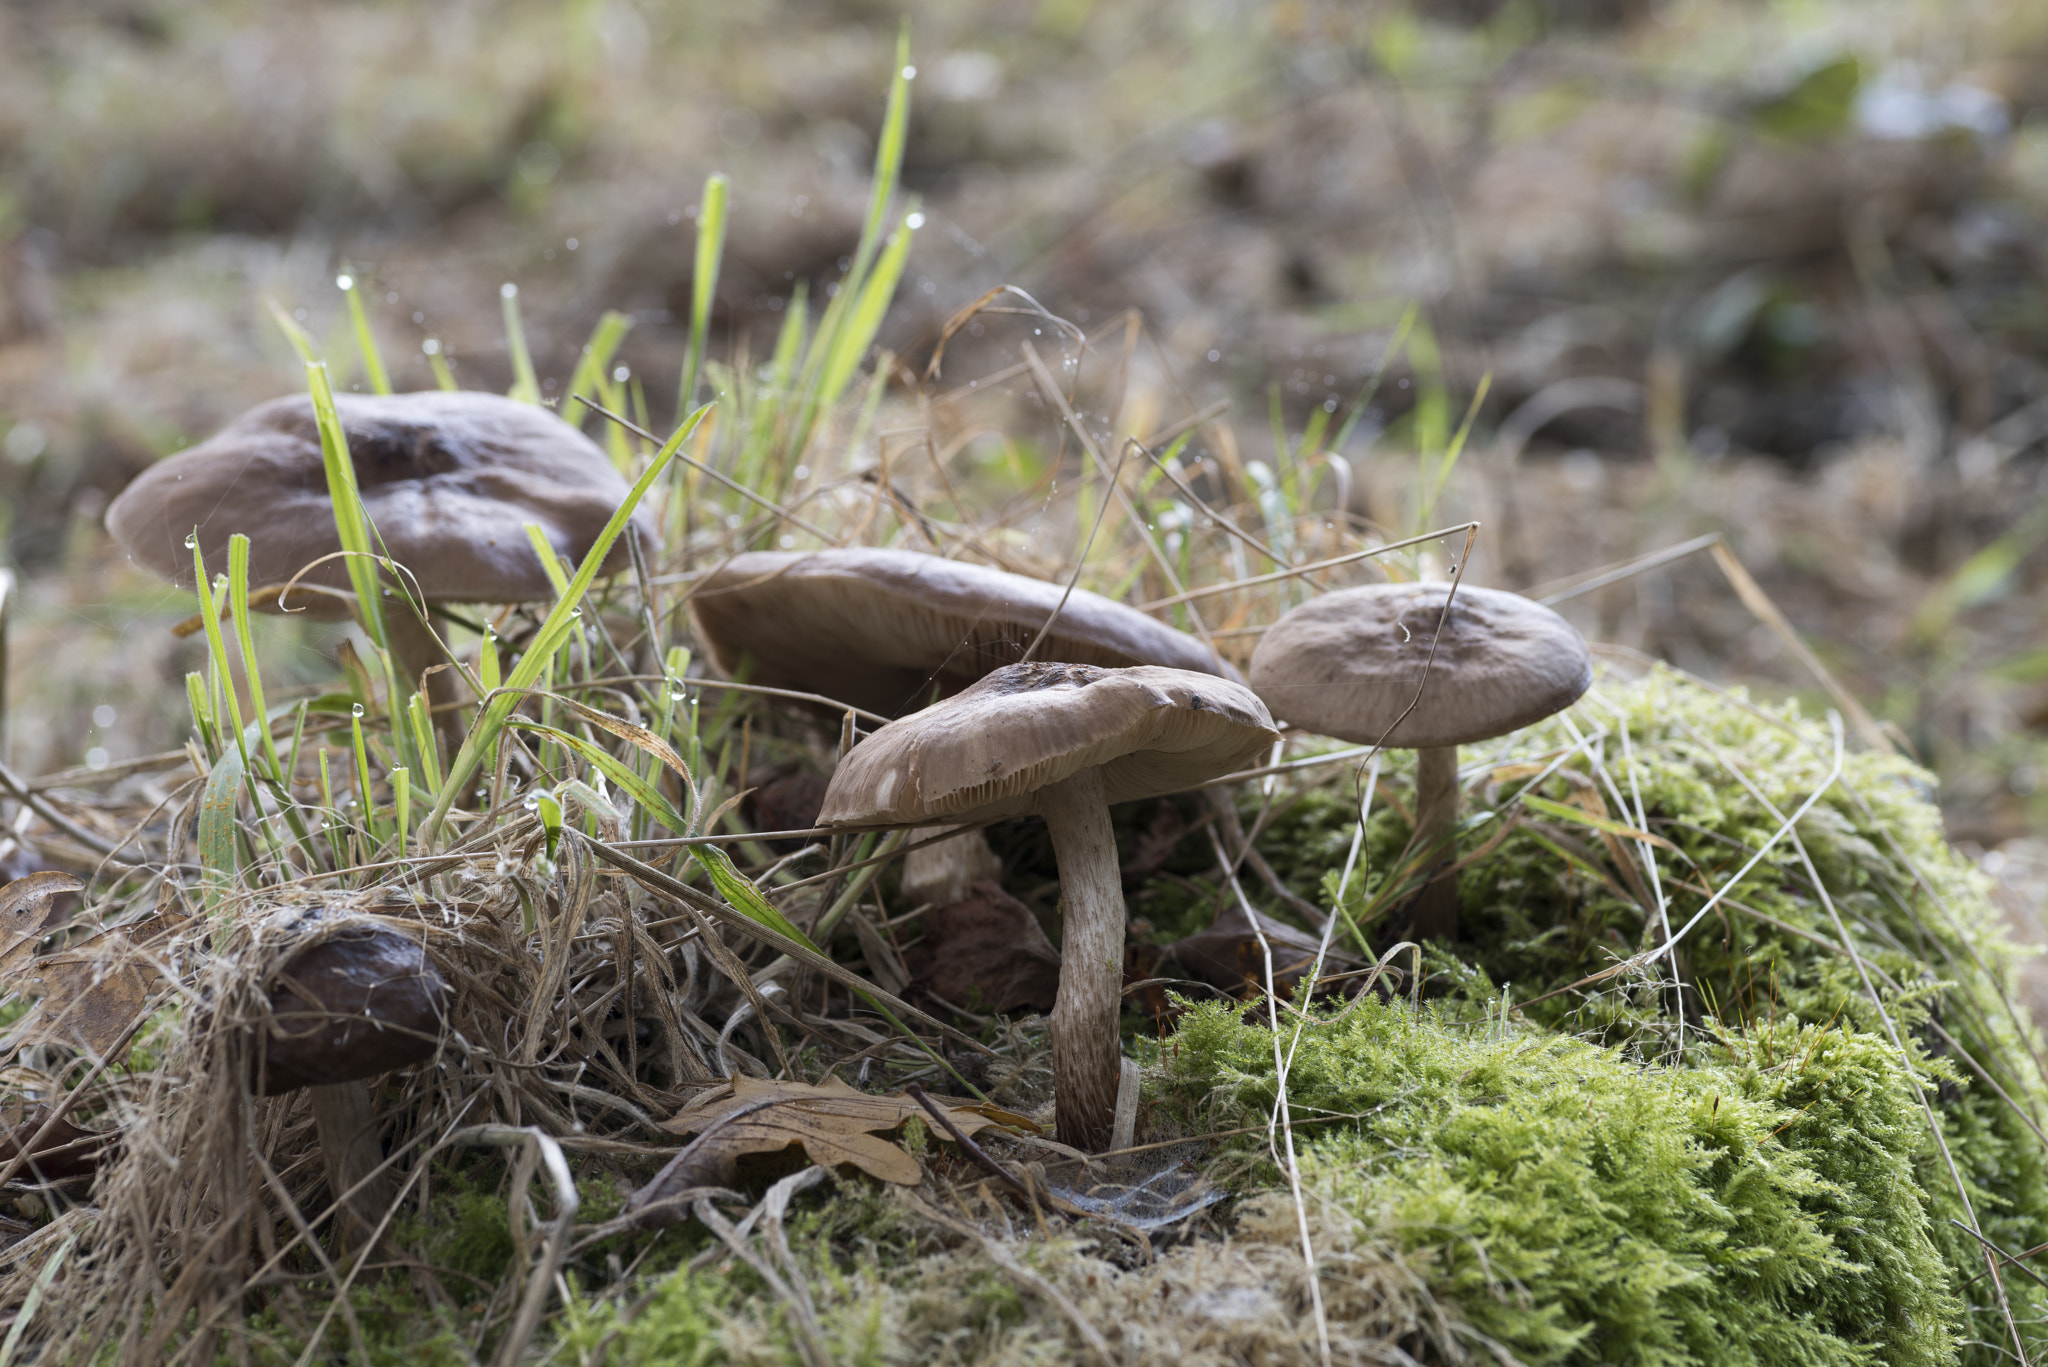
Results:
x,y
449,481
1062,741
1349,663
343,1010
889,631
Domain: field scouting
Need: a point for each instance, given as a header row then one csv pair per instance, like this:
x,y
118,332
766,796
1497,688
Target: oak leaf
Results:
x,y
834,1123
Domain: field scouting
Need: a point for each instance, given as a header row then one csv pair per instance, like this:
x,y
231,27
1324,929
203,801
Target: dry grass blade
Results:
x,y
810,1342
1552,594
1757,601
754,930
7,597
1298,571
1282,1119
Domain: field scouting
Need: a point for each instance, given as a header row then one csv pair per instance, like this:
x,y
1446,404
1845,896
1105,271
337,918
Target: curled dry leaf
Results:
x,y
1228,956
27,912
64,1153
986,953
93,992
834,1123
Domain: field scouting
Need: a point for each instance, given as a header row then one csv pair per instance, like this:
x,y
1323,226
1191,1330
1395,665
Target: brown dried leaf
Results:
x,y
26,907
986,953
92,996
64,1153
834,1123
96,990
1228,955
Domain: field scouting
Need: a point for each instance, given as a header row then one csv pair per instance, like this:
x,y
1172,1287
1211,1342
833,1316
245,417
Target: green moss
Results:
x,y
399,1329
1548,901
1579,1208
682,1323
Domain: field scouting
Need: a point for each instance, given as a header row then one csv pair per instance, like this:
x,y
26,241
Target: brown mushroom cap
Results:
x,y
1348,663
450,481
362,1003
879,628
984,753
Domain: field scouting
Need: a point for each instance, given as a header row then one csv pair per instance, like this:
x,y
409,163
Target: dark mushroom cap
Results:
x,y
450,481
880,628
362,1003
1347,665
984,753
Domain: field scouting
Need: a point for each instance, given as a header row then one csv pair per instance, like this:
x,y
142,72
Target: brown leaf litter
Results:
x,y
833,1122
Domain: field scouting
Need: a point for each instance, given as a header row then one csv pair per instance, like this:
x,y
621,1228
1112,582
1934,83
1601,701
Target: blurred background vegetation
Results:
x,y
1776,270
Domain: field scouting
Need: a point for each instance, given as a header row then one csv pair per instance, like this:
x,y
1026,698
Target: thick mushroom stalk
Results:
x,y
1436,818
1064,741
1086,1054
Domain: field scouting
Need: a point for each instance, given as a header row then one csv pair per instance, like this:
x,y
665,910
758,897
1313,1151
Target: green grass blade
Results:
x,y
238,600
613,768
202,712
401,805
596,363
217,649
888,156
1456,448
742,896
552,632
437,358
366,795
549,561
330,822
739,891
423,740
525,384
703,283
351,523
219,854
487,660
852,342
366,341
888,171
301,340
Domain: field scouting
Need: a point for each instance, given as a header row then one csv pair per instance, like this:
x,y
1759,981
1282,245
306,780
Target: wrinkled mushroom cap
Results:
x,y
1348,664
450,481
984,753
879,628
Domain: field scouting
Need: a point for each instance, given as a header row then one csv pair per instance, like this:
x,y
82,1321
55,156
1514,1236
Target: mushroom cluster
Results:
x,y
889,631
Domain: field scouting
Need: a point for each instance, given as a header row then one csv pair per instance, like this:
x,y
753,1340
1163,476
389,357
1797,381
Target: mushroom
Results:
x,y
343,1010
1349,664
1063,741
889,631
449,480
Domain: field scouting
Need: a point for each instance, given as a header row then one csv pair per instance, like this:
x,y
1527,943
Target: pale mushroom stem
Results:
x,y
1436,816
942,871
1086,1051
345,1121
